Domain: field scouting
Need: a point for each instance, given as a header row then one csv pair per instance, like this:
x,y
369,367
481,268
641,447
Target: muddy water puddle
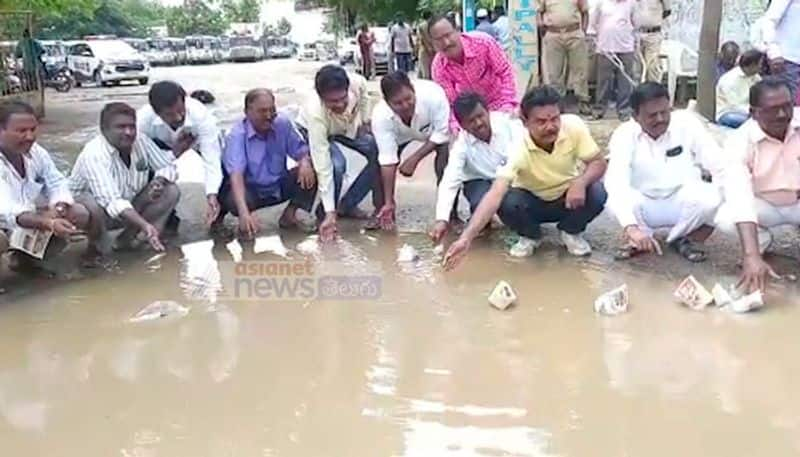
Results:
x,y
425,368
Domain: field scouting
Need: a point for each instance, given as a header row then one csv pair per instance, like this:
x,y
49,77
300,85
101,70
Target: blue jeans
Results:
x,y
403,61
368,180
733,119
524,212
474,190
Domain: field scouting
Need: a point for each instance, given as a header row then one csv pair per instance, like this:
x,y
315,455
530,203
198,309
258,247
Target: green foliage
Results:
x,y
124,18
196,18
241,10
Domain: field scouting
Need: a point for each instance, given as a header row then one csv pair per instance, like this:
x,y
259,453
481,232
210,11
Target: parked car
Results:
x,y
246,48
308,51
160,52
380,51
277,48
225,48
178,46
203,49
326,50
55,53
106,62
347,50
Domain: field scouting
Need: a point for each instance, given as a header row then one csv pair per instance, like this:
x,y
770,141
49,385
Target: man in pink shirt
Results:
x,y
762,178
471,62
616,43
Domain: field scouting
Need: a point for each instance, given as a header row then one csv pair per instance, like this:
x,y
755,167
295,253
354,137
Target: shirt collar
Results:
x,y
757,135
251,132
187,122
532,147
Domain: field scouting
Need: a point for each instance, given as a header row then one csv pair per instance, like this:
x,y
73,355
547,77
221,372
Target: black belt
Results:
x,y
650,29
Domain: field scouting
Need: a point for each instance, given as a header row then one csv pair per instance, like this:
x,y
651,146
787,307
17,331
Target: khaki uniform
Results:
x,y
565,51
426,51
649,20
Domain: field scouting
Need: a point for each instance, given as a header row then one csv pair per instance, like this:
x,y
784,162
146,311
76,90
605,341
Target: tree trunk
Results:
x,y
707,65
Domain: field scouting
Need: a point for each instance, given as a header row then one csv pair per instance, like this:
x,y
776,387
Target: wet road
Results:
x,y
423,367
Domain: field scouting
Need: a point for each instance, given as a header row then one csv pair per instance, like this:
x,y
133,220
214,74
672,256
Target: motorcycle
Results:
x,y
59,78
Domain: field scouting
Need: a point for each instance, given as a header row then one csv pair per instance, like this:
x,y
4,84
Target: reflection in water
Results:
x,y
428,369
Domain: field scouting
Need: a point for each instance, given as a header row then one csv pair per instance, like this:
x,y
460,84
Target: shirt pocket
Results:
x,y
276,164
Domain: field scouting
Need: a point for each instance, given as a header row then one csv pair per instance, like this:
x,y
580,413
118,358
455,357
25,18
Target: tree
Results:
x,y
707,67
284,27
196,18
242,10
124,18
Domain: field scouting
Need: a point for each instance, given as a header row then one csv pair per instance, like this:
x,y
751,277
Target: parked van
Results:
x,y
203,49
159,52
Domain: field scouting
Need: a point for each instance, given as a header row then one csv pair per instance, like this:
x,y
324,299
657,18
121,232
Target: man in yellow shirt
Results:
x,y
555,177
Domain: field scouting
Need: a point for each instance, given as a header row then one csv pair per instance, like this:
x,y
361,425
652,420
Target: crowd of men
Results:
x,y
524,162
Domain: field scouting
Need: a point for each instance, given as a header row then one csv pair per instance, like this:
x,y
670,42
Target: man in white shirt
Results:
x,y
33,193
340,115
762,178
112,178
781,29
179,123
654,177
482,147
408,112
733,90
501,24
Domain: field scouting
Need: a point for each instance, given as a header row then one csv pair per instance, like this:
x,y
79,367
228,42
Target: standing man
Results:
x,y
782,35
650,15
654,176
341,115
485,24
762,178
366,39
30,51
481,149
616,45
33,193
566,55
177,123
255,160
112,177
502,26
555,177
425,46
408,112
471,62
727,58
402,44
733,90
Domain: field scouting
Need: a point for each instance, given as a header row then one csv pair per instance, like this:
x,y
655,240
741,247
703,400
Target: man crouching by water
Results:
x,y
112,178
554,177
33,193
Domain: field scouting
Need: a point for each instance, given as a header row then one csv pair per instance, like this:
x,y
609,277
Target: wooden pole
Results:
x,y
707,65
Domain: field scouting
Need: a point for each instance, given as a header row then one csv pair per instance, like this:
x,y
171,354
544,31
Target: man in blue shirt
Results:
x,y
255,162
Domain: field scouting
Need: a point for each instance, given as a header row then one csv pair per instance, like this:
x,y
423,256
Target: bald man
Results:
x,y
255,164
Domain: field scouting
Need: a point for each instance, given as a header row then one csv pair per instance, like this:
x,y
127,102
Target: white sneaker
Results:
x,y
764,240
576,244
524,247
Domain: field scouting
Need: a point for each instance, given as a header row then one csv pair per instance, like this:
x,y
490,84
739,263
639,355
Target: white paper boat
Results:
x,y
271,244
613,302
502,296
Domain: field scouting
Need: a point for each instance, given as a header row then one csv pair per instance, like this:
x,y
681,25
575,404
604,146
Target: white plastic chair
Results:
x,y
681,62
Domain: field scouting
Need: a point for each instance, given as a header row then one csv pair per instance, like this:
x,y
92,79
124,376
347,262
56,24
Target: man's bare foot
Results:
x,y
289,220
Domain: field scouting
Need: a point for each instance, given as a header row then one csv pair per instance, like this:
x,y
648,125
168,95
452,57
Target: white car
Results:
x,y
106,62
347,50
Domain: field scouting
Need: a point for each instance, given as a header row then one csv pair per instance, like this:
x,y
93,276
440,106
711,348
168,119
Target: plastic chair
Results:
x,y
681,64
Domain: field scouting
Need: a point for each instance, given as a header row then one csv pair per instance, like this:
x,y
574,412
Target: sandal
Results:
x,y
686,248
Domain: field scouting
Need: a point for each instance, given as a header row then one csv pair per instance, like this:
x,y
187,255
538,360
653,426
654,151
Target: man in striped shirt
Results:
x,y
112,177
33,193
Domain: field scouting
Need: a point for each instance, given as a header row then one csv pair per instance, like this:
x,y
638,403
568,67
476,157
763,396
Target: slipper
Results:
x,y
688,250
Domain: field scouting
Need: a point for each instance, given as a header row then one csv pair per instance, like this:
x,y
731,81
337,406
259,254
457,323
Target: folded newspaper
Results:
x,y
30,241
